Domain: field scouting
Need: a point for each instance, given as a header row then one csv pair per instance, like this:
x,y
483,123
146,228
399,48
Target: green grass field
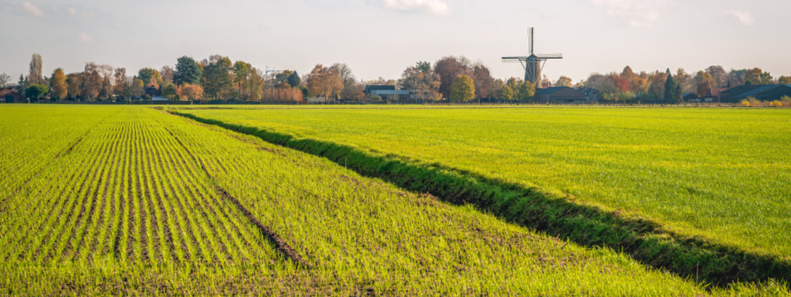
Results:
x,y
721,174
718,177
132,200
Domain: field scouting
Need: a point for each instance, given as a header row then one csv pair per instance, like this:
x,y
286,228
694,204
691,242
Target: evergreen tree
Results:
x,y
670,89
679,97
294,80
150,76
187,71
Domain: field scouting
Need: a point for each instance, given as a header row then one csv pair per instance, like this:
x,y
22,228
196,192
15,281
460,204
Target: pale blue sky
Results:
x,y
382,37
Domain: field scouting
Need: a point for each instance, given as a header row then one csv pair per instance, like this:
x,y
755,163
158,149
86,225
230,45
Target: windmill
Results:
x,y
533,63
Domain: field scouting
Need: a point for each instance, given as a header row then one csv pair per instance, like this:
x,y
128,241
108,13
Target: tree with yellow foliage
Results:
x,y
462,89
564,81
59,87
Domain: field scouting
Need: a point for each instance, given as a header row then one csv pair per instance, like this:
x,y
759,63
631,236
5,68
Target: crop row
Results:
x,y
126,193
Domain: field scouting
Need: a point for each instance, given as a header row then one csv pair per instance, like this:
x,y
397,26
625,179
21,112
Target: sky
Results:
x,y
381,38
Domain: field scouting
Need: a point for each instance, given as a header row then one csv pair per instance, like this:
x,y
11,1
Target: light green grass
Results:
x,y
134,208
722,174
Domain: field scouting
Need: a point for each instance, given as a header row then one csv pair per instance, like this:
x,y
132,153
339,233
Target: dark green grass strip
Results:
x,y
693,258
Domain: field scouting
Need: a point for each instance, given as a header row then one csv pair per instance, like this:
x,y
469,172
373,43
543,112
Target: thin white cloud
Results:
x,y
32,9
435,7
743,16
74,12
84,37
640,13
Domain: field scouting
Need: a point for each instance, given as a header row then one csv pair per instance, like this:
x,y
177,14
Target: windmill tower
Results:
x,y
533,63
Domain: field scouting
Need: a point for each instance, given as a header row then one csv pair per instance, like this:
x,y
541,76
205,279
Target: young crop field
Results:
x,y
132,200
694,189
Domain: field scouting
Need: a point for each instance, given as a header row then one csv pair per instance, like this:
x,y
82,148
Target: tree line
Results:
x,y
669,87
455,79
213,78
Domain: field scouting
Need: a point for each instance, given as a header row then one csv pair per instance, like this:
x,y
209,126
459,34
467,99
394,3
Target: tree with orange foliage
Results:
x,y
564,81
191,92
704,88
325,81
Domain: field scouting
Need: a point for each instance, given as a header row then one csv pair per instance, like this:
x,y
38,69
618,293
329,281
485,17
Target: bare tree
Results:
x,y
350,85
719,75
167,73
483,81
106,71
381,81
120,82
345,71
326,81
91,81
603,84
74,82
421,82
36,64
448,68
564,81
5,80
256,84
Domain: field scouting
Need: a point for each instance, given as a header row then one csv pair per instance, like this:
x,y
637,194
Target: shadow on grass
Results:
x,y
693,258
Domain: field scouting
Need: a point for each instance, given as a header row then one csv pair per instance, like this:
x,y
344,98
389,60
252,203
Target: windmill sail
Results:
x,y
532,63
550,56
530,37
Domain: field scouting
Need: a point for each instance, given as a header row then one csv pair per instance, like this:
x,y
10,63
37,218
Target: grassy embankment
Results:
x,y
141,202
701,192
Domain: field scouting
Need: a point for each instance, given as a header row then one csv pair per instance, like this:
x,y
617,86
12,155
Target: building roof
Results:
x,y
690,96
761,92
743,89
717,91
588,91
5,91
551,90
370,88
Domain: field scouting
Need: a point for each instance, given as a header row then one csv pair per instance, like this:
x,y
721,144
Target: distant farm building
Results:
x,y
317,99
690,97
386,92
591,95
694,98
8,95
562,95
760,92
153,91
712,96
